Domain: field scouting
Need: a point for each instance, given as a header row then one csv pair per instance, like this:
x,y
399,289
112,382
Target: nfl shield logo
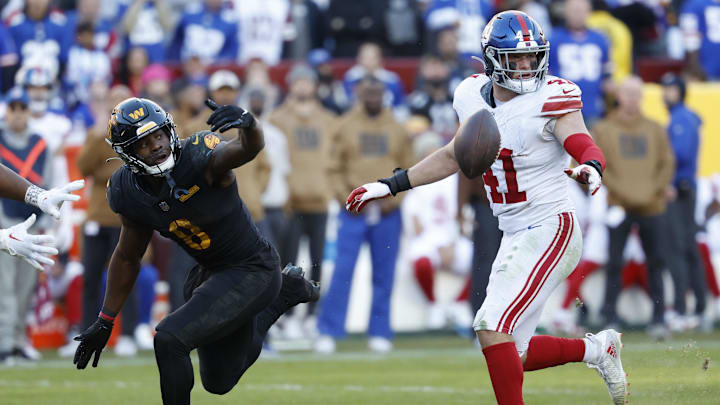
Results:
x,y
164,206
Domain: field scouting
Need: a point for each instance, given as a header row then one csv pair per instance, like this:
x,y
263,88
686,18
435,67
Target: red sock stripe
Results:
x,y
565,237
540,273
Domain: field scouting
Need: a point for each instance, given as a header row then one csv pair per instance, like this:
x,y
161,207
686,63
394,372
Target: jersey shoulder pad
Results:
x,y
199,146
559,97
468,97
115,186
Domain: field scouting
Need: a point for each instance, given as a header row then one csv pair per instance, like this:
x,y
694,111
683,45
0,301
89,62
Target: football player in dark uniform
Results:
x,y
186,191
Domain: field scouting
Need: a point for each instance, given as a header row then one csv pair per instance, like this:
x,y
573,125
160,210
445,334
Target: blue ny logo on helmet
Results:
x,y
512,33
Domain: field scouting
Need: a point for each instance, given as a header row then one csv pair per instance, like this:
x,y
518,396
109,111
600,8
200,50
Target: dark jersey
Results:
x,y
210,223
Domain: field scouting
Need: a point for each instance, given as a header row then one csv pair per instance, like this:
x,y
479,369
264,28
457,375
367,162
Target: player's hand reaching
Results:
x,y
226,117
92,341
49,201
34,249
359,197
586,174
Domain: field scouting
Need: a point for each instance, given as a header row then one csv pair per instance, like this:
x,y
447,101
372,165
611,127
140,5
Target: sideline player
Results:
x,y
540,123
34,249
186,191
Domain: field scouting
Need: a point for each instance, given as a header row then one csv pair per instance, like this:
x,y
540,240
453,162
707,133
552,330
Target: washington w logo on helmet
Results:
x,y
137,114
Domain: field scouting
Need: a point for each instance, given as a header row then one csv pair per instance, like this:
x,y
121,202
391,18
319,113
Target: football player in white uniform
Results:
x,y
541,127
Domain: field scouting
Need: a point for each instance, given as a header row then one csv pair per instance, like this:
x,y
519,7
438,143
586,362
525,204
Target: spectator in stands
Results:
x,y
370,62
262,25
436,243
191,111
206,31
41,36
404,28
25,152
582,55
132,66
619,37
156,80
684,263
699,20
433,98
352,24
89,11
446,42
146,24
369,142
257,77
8,59
306,29
330,91
56,130
470,16
86,63
307,126
634,144
101,229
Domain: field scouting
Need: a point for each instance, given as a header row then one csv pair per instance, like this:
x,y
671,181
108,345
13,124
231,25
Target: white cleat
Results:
x,y
609,365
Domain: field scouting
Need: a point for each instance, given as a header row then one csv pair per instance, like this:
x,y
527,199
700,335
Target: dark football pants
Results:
x,y
97,249
313,225
226,317
651,229
683,255
486,242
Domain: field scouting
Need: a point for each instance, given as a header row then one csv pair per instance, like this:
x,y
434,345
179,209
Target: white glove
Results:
x,y
364,194
586,174
49,201
32,248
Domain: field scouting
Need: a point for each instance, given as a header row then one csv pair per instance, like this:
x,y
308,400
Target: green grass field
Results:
x,y
422,370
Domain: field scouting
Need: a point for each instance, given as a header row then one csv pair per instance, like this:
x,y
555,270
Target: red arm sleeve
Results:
x,y
582,148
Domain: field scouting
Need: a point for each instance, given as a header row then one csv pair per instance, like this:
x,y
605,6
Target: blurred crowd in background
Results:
x,y
347,91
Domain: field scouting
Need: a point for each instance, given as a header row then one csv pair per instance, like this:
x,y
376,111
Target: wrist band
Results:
x,y
32,194
398,182
107,315
595,164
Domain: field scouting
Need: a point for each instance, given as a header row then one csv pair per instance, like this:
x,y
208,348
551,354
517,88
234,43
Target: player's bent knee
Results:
x,y
218,384
165,343
490,338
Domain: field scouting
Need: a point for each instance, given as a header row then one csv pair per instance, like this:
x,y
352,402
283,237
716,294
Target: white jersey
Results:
x,y
261,30
526,184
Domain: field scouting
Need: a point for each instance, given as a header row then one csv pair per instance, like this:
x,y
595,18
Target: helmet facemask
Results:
x,y
137,165
503,71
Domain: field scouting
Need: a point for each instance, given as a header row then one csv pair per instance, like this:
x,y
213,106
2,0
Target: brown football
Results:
x,y
477,144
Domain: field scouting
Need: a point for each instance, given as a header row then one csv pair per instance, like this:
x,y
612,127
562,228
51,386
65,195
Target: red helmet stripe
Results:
x,y
523,26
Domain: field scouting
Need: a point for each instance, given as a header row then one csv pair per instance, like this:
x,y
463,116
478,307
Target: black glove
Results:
x,y
228,116
92,341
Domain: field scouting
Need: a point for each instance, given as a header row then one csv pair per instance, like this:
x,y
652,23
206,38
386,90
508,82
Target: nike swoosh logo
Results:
x,y
13,237
197,139
566,92
534,226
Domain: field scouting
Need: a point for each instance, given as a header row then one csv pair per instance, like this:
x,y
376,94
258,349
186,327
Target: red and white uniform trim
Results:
x,y
530,264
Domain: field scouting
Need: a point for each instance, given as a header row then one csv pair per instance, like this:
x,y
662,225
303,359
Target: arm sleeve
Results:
x,y
666,161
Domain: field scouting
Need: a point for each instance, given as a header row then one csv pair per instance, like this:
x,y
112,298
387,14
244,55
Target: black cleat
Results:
x,y
296,289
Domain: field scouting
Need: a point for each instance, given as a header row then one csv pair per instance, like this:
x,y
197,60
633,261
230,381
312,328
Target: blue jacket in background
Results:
x,y
211,35
684,133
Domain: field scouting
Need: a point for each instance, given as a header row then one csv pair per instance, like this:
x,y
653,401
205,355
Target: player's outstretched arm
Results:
x,y
122,272
244,148
571,132
436,166
17,188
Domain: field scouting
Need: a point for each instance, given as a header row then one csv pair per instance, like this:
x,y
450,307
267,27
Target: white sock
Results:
x,y
590,355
